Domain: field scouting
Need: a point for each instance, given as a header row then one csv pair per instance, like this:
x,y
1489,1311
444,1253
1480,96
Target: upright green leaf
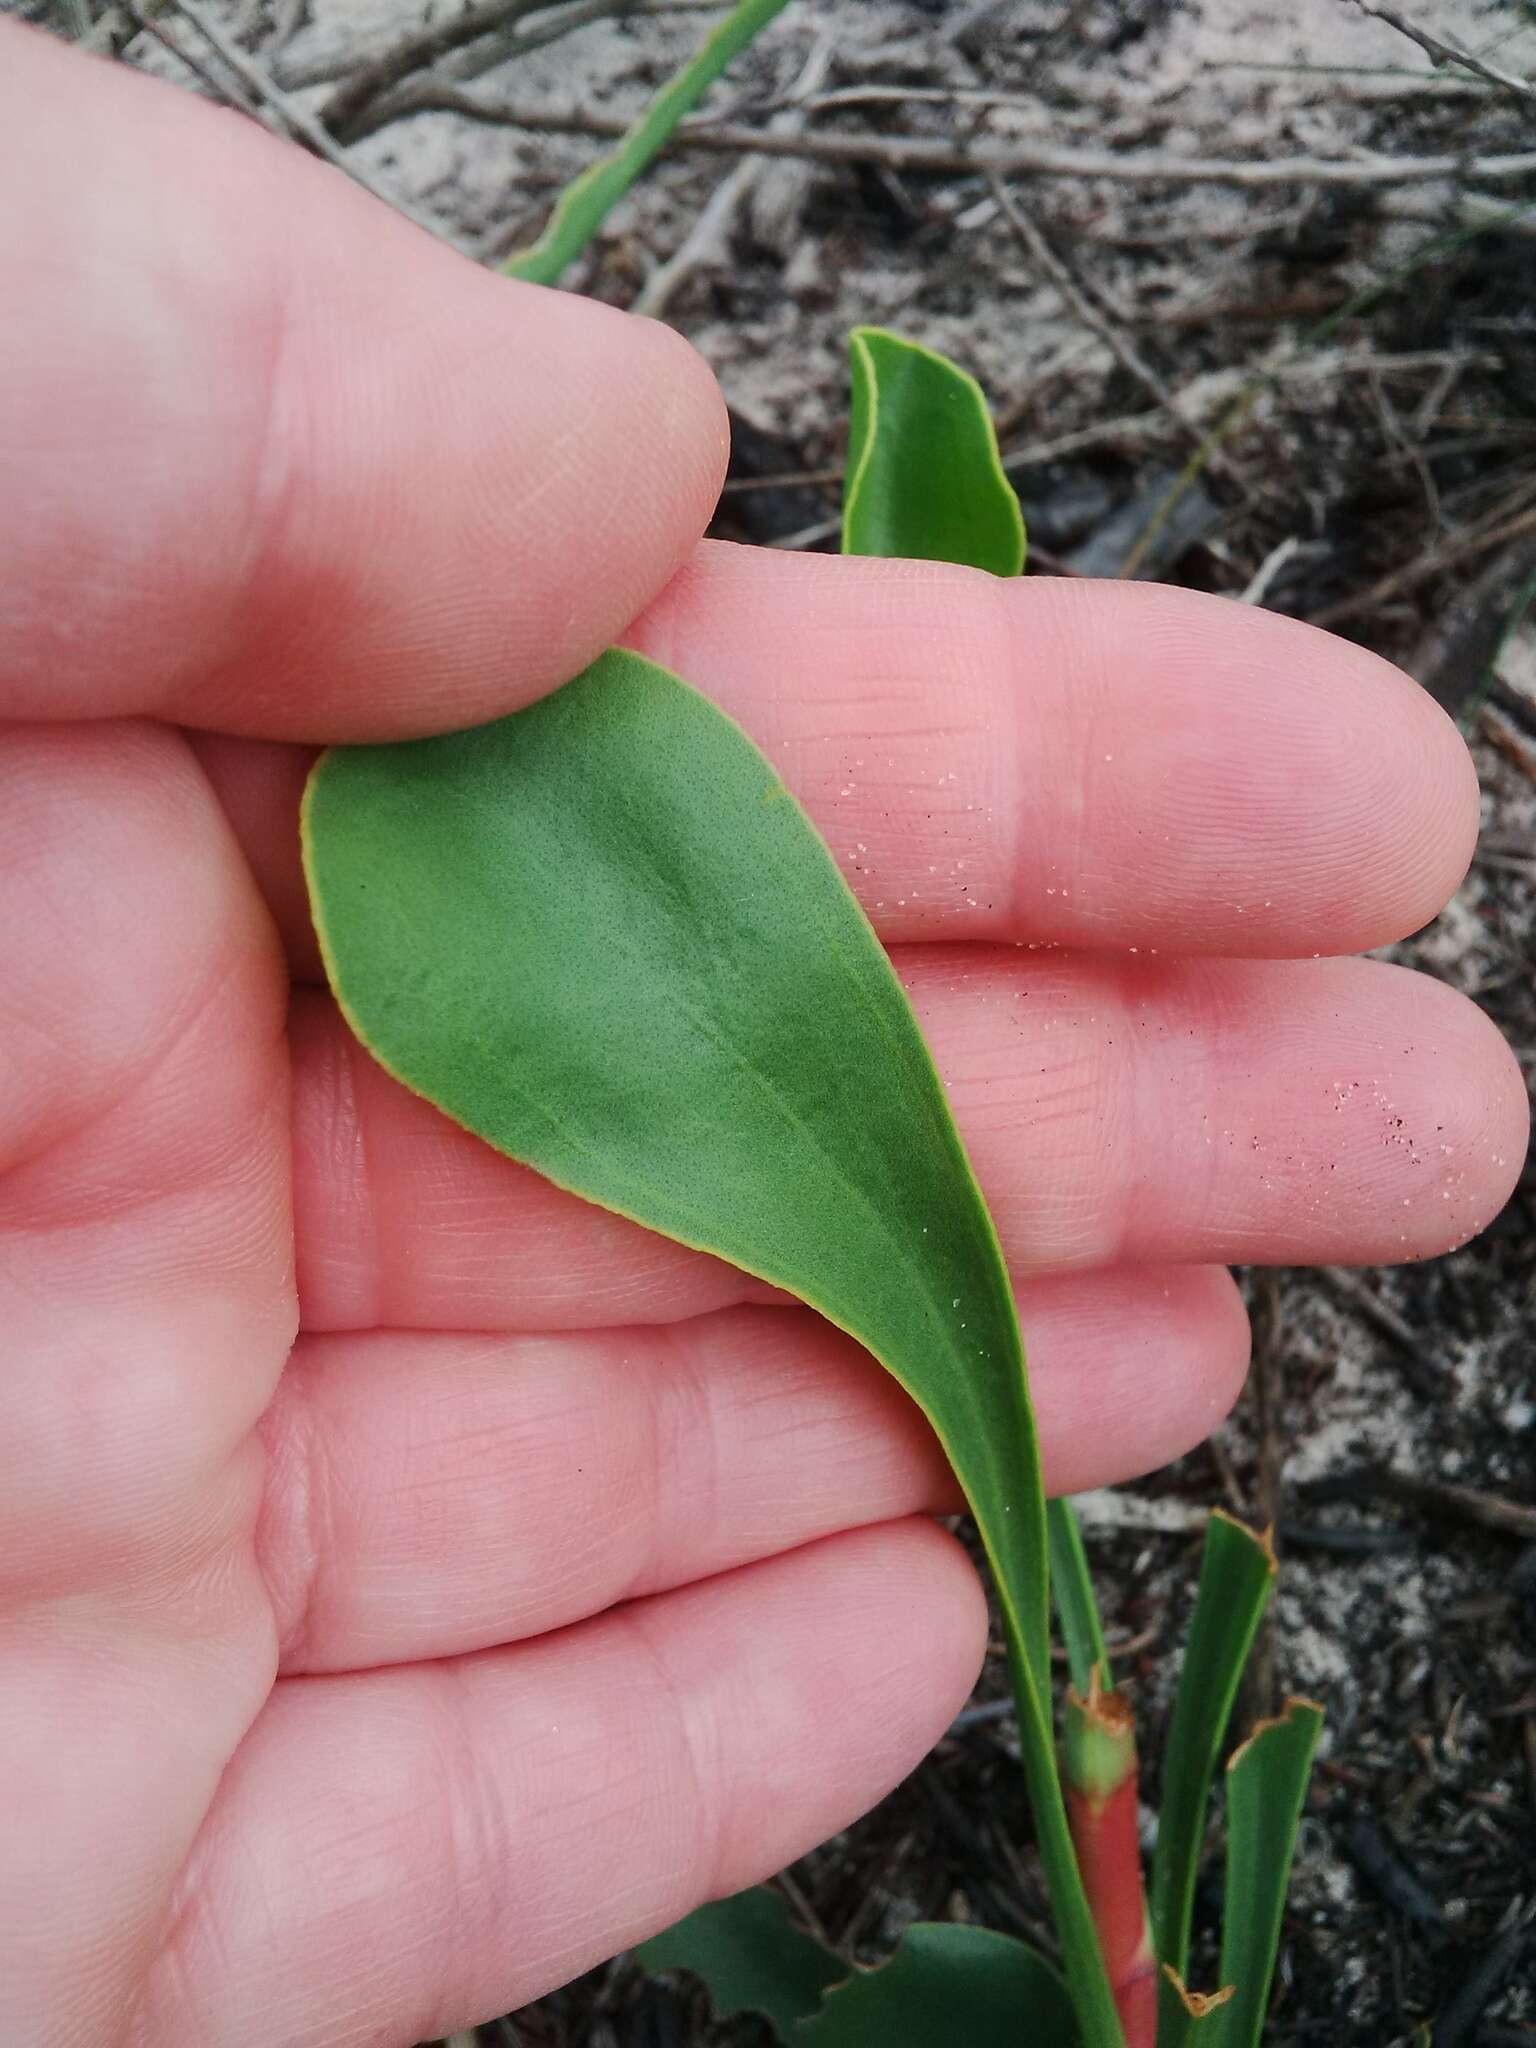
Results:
x,y
924,477
1236,1573
587,201
1266,1787
751,1957
602,935
1076,1605
925,480
948,1987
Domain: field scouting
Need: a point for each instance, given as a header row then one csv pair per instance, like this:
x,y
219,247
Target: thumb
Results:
x,y
277,462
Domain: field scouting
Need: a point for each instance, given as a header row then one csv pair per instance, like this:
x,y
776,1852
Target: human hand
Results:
x,y
419,1585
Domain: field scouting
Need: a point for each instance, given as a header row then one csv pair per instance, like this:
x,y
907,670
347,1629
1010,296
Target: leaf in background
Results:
x,y
925,480
587,201
750,1956
1266,1786
1236,1573
924,477
948,1987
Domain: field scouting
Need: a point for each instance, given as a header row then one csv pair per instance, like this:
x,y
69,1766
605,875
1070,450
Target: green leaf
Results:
x,y
948,1987
1076,1606
924,477
1236,1574
587,201
602,935
751,1957
1266,1786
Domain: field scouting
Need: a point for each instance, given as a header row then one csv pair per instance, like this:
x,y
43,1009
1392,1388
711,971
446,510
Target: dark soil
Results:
x,y
1382,481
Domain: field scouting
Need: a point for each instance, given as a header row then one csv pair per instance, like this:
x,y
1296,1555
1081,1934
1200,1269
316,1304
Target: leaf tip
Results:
x,y
1262,1539
1199,2004
1297,1704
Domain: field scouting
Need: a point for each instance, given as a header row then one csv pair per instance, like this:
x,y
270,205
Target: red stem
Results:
x,y
1101,1803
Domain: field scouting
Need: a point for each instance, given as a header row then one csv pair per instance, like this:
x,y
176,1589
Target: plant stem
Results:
x,y
1101,1801
1093,1999
1072,1591
586,201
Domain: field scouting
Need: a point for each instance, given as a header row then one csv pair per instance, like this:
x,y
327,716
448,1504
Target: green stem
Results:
x,y
1076,1607
586,202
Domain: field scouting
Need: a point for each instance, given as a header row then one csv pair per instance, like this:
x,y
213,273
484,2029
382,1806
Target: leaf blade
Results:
x,y
1266,1788
947,1986
1236,1574
750,1956
586,202
924,476
602,935
576,796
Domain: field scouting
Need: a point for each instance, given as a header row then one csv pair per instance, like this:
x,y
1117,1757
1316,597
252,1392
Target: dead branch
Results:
x,y
706,240
1425,565
414,53
265,96
1441,52
1093,317
925,155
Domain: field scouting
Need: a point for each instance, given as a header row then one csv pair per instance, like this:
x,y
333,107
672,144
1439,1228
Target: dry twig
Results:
x,y
705,240
923,154
1441,52
414,53
265,94
1092,315
1380,1314
1425,565
1472,1504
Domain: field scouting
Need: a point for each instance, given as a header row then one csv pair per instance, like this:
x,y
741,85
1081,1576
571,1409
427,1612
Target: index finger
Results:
x,y
1055,761
1047,762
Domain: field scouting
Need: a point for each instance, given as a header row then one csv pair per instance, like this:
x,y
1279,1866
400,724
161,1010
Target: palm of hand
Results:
x,y
417,1585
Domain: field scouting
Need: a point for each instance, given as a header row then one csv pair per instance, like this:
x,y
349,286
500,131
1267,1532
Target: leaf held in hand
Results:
x,y
750,1956
924,477
601,934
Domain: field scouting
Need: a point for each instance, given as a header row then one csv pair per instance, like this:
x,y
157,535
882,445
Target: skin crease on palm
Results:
x,y
414,1585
